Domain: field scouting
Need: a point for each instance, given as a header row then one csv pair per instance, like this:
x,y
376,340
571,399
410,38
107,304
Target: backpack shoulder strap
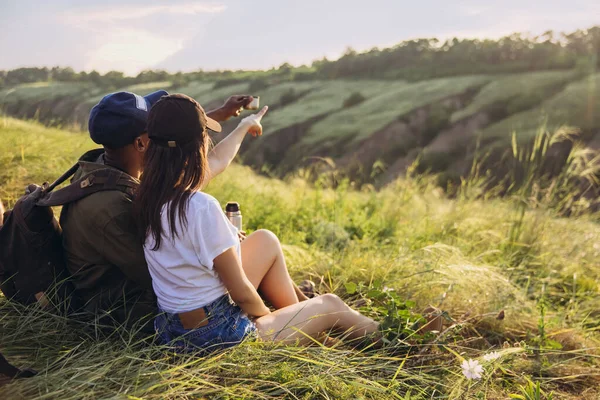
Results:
x,y
62,178
96,181
87,157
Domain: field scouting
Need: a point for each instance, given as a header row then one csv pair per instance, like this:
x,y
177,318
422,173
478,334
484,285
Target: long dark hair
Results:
x,y
171,174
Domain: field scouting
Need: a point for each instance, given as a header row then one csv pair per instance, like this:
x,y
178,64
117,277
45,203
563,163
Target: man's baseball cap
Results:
x,y
175,120
120,117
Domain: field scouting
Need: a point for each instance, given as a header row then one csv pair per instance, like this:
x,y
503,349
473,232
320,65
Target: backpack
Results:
x,y
32,263
10,372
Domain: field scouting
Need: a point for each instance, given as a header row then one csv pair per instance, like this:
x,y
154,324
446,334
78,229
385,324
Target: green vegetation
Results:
x,y
353,100
35,92
309,118
429,58
149,87
515,279
359,123
576,106
205,92
272,95
326,99
511,92
33,153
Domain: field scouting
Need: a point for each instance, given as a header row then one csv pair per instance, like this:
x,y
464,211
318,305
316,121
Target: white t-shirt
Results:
x,y
182,268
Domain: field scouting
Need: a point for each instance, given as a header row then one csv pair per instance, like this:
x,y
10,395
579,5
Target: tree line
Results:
x,y
411,60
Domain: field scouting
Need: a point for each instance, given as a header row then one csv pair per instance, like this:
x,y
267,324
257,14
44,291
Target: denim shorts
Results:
x,y
227,326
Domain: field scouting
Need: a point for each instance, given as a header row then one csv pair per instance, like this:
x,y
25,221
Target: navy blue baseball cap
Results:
x,y
120,117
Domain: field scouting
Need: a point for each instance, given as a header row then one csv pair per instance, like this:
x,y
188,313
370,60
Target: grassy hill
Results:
x,y
578,105
392,124
515,92
358,123
407,245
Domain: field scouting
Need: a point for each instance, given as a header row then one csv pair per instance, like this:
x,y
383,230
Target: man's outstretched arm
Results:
x,y
232,108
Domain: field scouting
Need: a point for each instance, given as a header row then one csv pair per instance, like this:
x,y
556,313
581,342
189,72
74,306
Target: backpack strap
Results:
x,y
96,181
89,156
62,178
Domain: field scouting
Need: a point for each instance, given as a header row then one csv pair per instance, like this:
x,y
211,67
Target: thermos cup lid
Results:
x,y
232,206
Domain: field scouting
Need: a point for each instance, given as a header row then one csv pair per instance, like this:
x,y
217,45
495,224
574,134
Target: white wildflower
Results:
x,y
494,355
472,369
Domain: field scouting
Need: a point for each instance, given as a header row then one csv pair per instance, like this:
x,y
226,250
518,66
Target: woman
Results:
x,y
205,280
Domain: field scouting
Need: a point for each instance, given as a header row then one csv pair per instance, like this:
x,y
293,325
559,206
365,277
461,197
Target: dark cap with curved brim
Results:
x,y
176,120
120,117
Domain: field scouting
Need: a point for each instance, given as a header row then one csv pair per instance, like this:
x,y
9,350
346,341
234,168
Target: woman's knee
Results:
x,y
333,302
266,236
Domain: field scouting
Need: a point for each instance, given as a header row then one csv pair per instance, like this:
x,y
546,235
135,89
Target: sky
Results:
x,y
187,35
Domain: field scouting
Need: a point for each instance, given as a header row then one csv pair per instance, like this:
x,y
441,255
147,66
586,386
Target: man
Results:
x,y
103,248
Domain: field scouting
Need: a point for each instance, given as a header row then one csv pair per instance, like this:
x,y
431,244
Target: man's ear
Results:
x,y
140,144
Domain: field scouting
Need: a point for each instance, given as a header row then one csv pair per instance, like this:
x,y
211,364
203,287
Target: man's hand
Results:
x,y
232,108
241,236
1,213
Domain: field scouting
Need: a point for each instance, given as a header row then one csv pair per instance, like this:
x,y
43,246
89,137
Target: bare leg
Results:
x,y
1,213
312,318
264,264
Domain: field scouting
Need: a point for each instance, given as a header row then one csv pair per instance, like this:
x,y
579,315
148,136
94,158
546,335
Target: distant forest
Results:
x,y
411,60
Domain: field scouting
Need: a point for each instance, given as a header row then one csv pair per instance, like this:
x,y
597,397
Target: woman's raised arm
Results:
x,y
225,151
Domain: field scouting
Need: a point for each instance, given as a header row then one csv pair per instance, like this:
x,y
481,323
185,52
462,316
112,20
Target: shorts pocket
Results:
x,y
212,329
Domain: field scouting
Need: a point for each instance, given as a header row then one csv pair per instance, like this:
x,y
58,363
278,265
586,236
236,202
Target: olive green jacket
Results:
x,y
104,253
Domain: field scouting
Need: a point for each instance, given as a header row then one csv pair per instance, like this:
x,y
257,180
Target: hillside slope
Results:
x,y
392,123
523,304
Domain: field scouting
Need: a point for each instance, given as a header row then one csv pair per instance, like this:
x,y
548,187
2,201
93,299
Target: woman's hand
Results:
x,y
252,122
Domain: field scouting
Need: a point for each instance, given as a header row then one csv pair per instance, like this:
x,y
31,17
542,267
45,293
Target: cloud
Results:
x,y
129,12
131,50
129,38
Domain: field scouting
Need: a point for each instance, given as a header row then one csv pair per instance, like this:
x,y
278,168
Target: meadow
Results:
x,y
575,105
520,286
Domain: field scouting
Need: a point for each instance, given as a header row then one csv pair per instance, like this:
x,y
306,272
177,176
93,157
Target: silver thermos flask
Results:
x,y
232,210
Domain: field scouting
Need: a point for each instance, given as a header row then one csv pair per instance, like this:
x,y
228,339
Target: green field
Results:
x,y
357,123
472,257
326,99
576,106
35,92
146,88
514,90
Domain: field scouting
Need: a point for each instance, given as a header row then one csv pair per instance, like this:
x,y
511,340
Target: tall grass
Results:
x,y
485,261
554,170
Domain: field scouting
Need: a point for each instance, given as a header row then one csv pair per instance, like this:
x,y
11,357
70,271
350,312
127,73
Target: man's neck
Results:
x,y
117,158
